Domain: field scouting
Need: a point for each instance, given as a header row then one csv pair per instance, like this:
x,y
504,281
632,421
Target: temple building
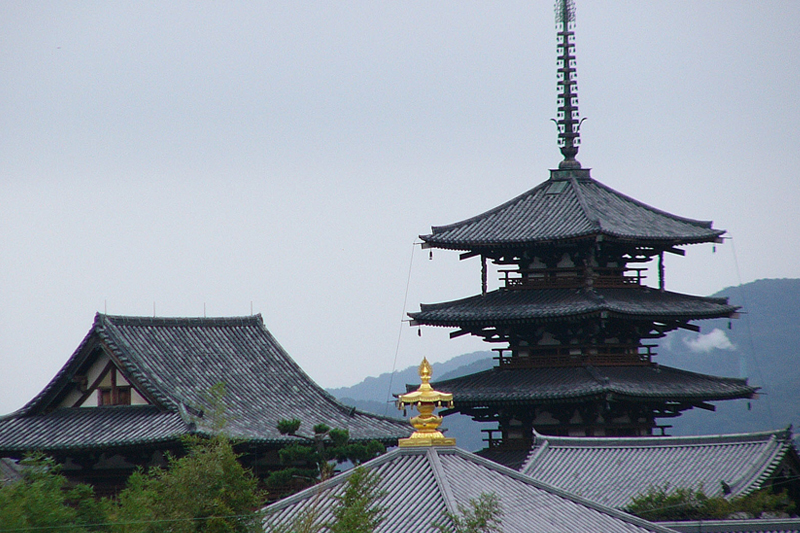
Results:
x,y
136,386
574,320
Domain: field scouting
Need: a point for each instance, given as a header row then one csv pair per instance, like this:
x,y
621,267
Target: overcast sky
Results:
x,y
209,156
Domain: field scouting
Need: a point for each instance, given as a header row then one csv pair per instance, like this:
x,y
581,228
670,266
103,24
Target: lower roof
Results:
x,y
574,384
614,470
422,483
91,428
535,305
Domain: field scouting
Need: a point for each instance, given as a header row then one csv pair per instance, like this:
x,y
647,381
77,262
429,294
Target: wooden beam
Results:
x,y
676,251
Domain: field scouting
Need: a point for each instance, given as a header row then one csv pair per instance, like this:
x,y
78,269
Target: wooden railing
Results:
x,y
576,355
566,278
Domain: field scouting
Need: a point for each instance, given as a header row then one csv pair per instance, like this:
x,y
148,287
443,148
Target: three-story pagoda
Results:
x,y
574,320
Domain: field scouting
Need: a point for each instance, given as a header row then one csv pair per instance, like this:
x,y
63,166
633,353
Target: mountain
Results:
x,y
762,345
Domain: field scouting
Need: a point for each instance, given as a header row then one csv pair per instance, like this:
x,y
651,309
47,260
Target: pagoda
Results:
x,y
573,319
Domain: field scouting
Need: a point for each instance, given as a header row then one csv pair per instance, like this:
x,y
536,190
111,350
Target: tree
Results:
x,y
313,459
357,510
483,515
673,504
42,499
207,490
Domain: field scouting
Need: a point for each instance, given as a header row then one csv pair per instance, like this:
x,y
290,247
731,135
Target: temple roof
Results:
x,y
423,483
646,383
526,306
611,471
570,205
174,363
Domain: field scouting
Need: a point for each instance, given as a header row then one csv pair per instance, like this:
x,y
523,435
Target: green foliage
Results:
x,y
312,459
205,491
42,499
663,503
483,515
357,509
288,427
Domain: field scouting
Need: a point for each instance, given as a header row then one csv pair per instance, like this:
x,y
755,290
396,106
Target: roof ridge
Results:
x,y
441,480
125,320
657,440
590,214
707,224
761,467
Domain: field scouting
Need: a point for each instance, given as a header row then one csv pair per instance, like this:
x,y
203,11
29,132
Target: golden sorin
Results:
x,y
426,401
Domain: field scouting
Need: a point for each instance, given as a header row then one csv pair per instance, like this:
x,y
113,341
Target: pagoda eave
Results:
x,y
640,384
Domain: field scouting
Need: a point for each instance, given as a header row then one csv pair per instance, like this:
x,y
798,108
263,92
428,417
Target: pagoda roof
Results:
x,y
612,471
420,484
528,305
643,383
569,206
174,363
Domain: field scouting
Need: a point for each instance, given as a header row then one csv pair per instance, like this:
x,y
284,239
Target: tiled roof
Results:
x,y
99,427
570,205
614,470
175,362
575,384
761,525
422,483
524,306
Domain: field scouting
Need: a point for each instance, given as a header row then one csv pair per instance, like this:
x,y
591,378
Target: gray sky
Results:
x,y
287,154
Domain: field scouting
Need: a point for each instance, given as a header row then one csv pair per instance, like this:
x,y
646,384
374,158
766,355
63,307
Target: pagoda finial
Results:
x,y
567,116
426,399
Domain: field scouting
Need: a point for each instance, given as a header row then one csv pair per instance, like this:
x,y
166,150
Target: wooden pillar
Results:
x,y
661,271
483,274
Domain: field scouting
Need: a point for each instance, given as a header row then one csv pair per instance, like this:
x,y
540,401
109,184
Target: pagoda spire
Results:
x,y
567,116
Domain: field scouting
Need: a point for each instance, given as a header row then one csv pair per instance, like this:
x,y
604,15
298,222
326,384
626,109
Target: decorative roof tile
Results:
x,y
422,483
570,205
614,470
175,362
523,306
565,384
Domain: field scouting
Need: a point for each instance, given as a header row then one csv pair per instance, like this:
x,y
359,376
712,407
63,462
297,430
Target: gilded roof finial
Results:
x,y
567,116
426,399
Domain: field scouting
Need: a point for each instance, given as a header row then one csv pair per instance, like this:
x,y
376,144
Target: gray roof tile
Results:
x,y
585,208
614,470
421,483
